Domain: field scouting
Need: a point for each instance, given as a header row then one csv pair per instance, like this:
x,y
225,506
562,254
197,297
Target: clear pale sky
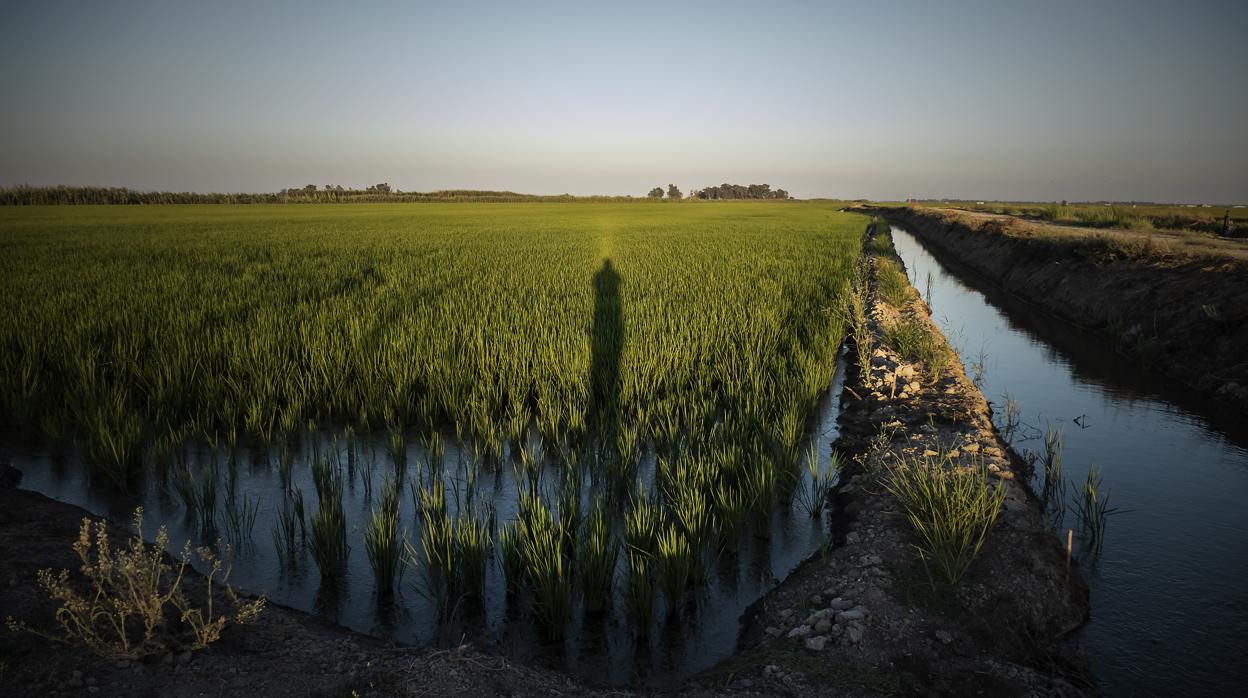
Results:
x,y
1008,100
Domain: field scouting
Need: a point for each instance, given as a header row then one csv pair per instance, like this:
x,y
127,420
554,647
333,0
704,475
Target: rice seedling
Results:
x,y
511,545
329,523
240,514
641,525
950,509
814,498
286,531
597,554
1093,508
544,564
473,547
381,538
640,594
675,562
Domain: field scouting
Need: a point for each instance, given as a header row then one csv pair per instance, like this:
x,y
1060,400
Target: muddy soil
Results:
x,y
1179,308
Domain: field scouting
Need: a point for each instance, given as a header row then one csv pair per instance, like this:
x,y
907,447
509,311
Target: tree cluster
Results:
x,y
741,191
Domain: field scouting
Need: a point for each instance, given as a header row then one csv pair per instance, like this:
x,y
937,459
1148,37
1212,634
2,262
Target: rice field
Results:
x,y
580,409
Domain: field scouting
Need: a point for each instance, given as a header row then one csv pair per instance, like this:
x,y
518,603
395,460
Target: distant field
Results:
x,y
1129,216
129,325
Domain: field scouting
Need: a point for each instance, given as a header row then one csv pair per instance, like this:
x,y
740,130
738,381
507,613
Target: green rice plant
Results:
x,y
381,538
511,545
113,434
641,525
286,532
675,562
570,513
545,566
597,554
436,560
473,546
732,508
329,523
240,514
640,593
951,509
1093,508
814,498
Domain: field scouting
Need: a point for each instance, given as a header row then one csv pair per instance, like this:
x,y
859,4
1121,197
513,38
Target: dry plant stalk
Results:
x,y
131,595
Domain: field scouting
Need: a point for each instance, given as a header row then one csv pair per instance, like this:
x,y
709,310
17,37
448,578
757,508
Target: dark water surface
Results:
x,y
1170,586
601,650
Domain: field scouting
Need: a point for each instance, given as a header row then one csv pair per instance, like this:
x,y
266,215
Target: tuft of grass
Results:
x,y
814,498
951,510
473,546
1094,511
911,338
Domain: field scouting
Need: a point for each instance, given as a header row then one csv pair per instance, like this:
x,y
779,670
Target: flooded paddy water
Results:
x,y
602,649
1168,593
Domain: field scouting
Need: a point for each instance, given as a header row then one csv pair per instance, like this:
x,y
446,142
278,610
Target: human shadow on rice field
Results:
x,y
607,343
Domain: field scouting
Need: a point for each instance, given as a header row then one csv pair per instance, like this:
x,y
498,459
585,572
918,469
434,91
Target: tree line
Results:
x,y
26,195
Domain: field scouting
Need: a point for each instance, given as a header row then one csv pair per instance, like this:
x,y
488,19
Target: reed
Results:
x,y
640,595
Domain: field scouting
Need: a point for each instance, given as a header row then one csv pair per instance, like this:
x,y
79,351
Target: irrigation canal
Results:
x,y
1168,591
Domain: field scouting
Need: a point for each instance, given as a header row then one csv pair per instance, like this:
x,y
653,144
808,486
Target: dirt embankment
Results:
x,y
863,618
1177,307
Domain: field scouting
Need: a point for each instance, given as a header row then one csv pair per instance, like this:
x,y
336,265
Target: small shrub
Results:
x,y
136,605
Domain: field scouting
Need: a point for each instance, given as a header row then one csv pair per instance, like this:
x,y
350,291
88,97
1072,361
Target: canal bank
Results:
x,y
1168,607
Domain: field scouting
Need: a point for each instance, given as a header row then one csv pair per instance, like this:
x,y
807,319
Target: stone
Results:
x,y
852,614
971,448
903,395
816,600
914,387
854,633
817,643
184,657
786,614
853,538
837,630
800,631
944,636
955,453
823,626
929,453
821,614
839,604
773,631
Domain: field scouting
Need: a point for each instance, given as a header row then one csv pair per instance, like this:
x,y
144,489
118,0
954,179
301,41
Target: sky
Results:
x,y
1092,100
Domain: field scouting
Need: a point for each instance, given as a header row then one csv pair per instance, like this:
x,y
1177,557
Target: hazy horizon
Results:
x,y
1005,101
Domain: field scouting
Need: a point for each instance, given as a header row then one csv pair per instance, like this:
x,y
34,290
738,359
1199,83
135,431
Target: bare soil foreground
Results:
x,y
859,619
1175,302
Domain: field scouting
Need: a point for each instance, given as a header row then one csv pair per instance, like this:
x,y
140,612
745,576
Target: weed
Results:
x,y
951,509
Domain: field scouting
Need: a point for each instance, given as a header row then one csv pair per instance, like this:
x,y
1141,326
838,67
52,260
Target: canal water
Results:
x,y
1169,587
